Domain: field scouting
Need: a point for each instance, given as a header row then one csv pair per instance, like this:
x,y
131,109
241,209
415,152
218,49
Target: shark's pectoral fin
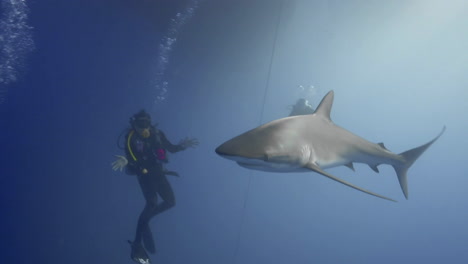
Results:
x,y
317,169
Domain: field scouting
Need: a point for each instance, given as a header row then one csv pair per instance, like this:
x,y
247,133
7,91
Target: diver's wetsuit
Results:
x,y
150,154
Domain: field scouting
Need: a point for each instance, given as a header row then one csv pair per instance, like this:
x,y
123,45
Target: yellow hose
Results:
x,y
128,144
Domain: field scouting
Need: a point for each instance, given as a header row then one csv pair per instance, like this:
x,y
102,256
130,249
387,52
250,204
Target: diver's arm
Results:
x,y
168,145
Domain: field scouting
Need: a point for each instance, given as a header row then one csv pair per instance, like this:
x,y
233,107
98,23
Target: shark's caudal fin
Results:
x,y
410,157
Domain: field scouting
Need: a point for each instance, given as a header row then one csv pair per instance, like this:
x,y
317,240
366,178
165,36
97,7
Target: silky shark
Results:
x,y
314,143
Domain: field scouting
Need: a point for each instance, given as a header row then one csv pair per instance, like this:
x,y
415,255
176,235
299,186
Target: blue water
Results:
x,y
201,68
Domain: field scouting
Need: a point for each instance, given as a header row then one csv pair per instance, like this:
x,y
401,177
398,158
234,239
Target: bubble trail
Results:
x,y
165,48
16,42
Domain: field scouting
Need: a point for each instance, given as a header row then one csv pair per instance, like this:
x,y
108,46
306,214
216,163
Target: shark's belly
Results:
x,y
280,168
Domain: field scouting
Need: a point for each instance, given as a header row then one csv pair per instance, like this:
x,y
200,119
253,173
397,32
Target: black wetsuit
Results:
x,y
150,154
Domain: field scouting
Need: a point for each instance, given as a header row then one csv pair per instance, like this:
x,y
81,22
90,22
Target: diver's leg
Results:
x,y
150,192
143,221
138,252
167,195
152,186
143,232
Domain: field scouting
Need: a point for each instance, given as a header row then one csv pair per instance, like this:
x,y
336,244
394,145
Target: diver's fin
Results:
x,y
317,169
148,240
139,254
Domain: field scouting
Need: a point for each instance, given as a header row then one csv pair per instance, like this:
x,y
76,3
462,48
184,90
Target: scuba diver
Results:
x,y
146,150
302,107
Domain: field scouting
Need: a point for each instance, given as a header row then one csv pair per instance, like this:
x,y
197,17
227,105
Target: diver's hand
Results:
x,y
119,163
188,143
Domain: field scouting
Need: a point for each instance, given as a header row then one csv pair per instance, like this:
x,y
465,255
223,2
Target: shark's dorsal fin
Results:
x,y
325,106
350,165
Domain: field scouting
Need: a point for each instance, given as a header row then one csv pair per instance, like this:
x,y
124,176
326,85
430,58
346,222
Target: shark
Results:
x,y
314,143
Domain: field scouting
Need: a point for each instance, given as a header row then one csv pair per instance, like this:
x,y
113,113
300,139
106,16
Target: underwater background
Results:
x,y
73,72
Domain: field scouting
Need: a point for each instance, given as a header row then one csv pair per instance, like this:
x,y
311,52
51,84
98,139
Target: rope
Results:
x,y
266,90
273,50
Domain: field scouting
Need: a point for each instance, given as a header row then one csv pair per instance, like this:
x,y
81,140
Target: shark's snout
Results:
x,y
234,150
223,151
220,151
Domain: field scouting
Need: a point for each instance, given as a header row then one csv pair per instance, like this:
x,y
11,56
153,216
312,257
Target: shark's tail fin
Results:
x,y
410,157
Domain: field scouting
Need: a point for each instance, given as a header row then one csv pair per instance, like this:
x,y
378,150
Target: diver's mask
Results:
x,y
142,125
